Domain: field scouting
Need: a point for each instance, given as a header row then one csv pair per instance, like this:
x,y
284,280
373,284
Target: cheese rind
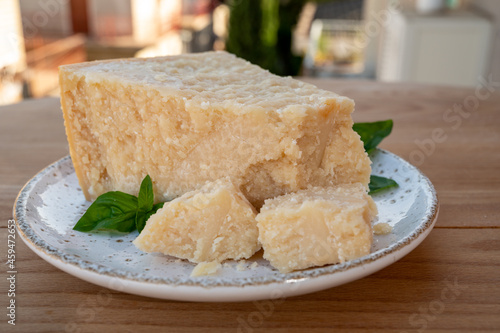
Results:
x,y
316,227
213,223
188,119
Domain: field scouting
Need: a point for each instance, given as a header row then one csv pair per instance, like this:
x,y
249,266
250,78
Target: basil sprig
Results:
x,y
119,211
378,184
372,134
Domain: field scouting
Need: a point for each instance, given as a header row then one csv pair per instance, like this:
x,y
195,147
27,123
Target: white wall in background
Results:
x,y
451,48
374,15
492,9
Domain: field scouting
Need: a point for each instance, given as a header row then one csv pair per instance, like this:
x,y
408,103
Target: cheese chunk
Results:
x,y
214,223
316,227
188,119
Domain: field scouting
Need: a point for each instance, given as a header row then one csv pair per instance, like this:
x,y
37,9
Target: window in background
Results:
x,y
12,55
336,40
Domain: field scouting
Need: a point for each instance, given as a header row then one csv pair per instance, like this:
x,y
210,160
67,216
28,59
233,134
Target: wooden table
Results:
x,y
462,253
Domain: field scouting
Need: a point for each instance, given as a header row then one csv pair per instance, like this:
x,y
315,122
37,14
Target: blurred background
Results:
x,y
444,42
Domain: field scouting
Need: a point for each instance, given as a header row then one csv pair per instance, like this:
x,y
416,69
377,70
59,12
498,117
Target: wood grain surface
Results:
x,y
450,283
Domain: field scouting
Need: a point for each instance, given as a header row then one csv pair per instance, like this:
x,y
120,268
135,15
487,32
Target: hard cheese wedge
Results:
x,y
188,119
316,227
213,223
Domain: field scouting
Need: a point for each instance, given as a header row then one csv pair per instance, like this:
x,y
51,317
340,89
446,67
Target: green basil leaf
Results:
x,y
121,223
157,206
140,220
378,184
146,195
108,212
373,133
142,217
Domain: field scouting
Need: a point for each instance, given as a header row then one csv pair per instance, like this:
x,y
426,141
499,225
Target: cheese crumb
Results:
x,y
205,268
382,229
241,266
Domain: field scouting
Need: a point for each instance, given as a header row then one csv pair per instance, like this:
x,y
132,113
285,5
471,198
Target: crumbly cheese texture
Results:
x,y
188,119
316,227
213,223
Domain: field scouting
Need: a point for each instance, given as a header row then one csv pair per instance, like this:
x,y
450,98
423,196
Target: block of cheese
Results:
x,y
316,227
213,223
188,119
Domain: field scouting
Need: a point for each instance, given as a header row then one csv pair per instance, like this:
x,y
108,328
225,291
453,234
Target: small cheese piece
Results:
x,y
382,228
188,119
213,223
241,266
205,268
316,227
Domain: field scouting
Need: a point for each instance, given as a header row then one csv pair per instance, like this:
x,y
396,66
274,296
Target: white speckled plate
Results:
x,y
50,204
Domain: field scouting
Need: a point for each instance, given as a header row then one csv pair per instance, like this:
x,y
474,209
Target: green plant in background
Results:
x,y
287,63
260,31
245,30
